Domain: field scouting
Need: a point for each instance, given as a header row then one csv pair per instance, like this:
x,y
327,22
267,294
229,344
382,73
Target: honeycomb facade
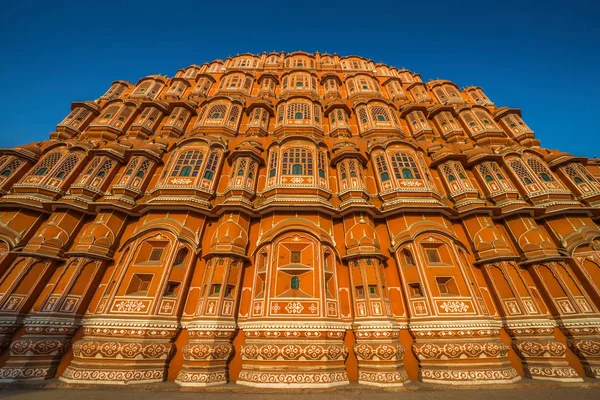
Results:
x,y
297,220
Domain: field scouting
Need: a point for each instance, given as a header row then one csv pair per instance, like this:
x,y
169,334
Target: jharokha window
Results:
x,y
96,172
135,172
299,113
405,171
221,113
8,166
404,166
192,168
493,177
188,164
534,175
54,169
297,161
582,178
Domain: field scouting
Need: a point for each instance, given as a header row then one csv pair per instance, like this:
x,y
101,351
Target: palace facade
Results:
x,y
297,220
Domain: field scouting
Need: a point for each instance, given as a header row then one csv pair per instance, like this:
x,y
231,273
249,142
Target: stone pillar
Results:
x,y
577,316
56,318
377,347
212,330
531,331
213,326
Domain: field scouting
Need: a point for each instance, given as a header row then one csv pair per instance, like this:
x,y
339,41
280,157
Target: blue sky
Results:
x,y
542,57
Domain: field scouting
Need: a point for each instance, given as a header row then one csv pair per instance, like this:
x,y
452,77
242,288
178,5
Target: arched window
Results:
x,y
273,164
297,169
188,163
48,162
9,165
180,257
211,166
521,171
382,168
540,169
185,171
295,282
298,111
297,161
322,164
67,166
404,166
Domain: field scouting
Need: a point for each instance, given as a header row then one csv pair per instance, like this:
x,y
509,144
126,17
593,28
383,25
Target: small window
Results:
x,y
415,289
61,175
180,258
446,285
545,177
216,115
408,258
321,173
140,174
380,118
384,176
297,169
407,173
6,172
208,175
488,178
215,289
360,291
373,290
172,289
433,256
298,115
527,181
229,290
295,283
272,173
139,285
156,255
577,179
451,178
295,258
41,171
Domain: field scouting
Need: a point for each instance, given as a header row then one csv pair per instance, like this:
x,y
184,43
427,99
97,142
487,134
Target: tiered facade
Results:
x,y
297,220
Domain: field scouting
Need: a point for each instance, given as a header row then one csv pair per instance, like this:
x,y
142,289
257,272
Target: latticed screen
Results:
x,y
540,169
217,111
67,166
379,113
521,171
188,164
211,165
404,166
298,111
297,161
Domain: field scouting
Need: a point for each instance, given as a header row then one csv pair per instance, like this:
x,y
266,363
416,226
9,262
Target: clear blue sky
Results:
x,y
540,56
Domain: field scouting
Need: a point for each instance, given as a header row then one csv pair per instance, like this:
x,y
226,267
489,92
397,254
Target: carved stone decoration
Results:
x,y
544,358
36,354
583,338
380,356
293,355
462,354
121,352
206,355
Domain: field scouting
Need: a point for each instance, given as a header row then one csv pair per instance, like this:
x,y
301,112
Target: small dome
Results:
x,y
362,237
230,236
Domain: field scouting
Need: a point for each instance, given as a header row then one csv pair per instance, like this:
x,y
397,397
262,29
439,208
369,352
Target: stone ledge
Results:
x,y
412,386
